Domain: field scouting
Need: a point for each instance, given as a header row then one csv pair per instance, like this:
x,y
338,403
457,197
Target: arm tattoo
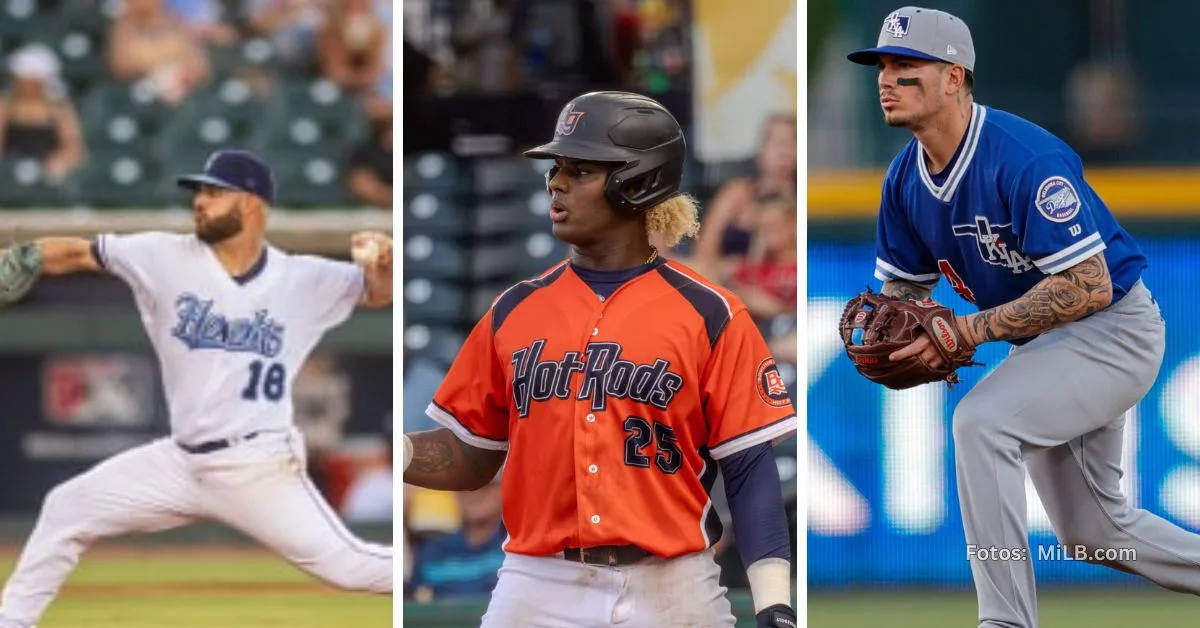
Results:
x,y
443,462
905,290
1056,300
432,451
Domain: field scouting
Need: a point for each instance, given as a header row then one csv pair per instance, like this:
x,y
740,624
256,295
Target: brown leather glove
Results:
x,y
873,326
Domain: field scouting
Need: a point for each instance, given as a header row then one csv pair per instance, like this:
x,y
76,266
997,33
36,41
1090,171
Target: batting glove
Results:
x,y
777,616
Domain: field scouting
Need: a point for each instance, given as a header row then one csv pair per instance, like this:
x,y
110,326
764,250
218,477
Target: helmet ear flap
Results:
x,y
637,191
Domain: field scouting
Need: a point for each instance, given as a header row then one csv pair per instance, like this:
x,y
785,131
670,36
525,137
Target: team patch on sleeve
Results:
x,y
1057,199
770,385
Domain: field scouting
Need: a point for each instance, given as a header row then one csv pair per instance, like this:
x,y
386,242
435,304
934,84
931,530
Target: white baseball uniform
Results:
x,y
229,350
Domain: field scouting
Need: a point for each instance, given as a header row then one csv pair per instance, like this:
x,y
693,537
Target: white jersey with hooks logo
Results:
x,y
229,349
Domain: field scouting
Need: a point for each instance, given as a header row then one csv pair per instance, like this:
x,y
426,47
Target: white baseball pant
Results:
x,y
548,592
257,486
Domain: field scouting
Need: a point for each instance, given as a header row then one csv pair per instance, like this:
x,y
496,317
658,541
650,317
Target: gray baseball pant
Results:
x,y
1058,405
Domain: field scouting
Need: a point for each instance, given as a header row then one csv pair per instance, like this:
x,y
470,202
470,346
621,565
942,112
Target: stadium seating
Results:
x,y
515,258
22,185
434,303
503,175
433,171
437,343
434,213
433,259
306,124
124,179
516,215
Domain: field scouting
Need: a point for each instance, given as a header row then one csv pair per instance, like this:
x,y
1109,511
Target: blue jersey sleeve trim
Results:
x,y
1071,255
98,252
885,272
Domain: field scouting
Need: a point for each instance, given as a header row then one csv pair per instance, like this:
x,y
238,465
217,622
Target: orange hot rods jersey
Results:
x,y
614,411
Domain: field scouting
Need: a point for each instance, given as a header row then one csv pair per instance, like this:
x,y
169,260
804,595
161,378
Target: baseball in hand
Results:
x,y
365,254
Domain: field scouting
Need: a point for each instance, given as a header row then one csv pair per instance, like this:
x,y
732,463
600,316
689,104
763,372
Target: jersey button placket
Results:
x,y
588,480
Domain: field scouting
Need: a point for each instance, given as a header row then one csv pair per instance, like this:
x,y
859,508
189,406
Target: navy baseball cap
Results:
x,y
920,33
234,169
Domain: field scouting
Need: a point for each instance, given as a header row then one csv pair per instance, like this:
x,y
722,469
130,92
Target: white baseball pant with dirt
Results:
x,y
549,592
257,486
1058,405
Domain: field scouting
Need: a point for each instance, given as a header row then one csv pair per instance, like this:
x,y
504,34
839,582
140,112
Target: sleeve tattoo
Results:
x,y
901,289
433,452
443,462
1056,300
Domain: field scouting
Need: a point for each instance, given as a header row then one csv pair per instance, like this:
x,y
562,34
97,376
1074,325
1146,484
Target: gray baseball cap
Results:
x,y
922,34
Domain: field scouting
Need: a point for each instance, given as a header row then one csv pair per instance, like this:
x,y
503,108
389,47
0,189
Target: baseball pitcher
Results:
x,y
1001,209
231,319
613,388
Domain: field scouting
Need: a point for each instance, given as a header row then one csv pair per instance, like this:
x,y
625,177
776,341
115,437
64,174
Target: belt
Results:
x,y
216,445
608,555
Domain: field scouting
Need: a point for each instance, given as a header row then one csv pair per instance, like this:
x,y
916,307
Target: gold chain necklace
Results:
x,y
653,255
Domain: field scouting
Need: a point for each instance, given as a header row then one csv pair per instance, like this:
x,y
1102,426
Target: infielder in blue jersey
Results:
x,y
1001,209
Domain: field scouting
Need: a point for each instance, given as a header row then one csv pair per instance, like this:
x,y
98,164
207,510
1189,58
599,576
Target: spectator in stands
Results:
x,y
146,43
725,234
766,278
34,122
484,53
661,60
203,19
290,25
626,38
467,561
322,407
783,347
370,498
422,377
423,75
350,45
383,89
408,540
369,174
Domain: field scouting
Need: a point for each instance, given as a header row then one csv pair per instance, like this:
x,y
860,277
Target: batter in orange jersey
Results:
x,y
613,388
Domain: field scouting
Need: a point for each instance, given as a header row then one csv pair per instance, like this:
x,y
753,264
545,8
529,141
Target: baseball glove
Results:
x,y
873,326
20,267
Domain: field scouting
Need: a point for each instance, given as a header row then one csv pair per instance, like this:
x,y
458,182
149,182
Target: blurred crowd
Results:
x,y
748,243
58,110
500,46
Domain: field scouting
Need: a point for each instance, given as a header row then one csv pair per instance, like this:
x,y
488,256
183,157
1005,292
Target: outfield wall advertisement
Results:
x,y
883,505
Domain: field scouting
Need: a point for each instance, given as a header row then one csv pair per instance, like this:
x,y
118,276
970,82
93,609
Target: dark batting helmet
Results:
x,y
635,133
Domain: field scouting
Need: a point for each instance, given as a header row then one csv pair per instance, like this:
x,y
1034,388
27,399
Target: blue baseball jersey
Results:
x,y
1011,209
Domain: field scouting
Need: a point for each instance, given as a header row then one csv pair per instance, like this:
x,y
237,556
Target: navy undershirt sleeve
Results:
x,y
756,504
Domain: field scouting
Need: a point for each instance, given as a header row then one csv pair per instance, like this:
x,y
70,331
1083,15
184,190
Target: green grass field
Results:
x,y
1082,608
199,587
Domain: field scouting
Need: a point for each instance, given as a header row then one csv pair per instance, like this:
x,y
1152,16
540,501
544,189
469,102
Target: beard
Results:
x,y
220,228
899,121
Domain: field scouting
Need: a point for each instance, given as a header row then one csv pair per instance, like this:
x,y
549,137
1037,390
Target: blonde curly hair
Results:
x,y
674,219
